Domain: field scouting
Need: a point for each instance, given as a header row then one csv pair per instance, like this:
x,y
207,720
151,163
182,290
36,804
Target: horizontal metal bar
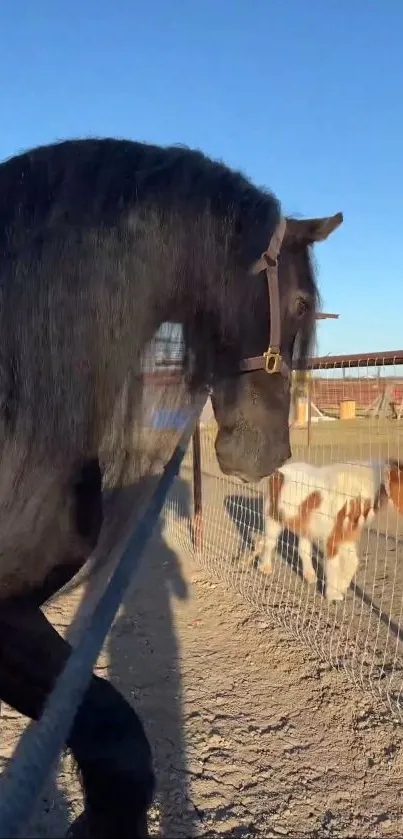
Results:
x,y
371,359
384,358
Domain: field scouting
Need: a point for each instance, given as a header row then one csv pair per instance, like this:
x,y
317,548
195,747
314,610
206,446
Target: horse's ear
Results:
x,y
310,230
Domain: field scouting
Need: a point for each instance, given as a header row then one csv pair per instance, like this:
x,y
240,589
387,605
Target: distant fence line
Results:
x,y
329,392
357,360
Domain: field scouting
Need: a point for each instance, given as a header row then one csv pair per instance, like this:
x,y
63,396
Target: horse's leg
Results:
x,y
107,739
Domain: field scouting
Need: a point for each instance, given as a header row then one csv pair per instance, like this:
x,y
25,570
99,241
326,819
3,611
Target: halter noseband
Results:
x,y
271,361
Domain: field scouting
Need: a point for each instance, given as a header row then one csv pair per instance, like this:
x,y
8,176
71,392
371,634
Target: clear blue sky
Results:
x,y
306,96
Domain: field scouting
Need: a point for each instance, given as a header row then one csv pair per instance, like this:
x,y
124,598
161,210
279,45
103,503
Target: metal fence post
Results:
x,y
309,417
197,491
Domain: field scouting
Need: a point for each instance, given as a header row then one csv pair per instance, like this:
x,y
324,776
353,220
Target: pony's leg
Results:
x,y
348,563
258,547
272,532
333,577
305,552
108,741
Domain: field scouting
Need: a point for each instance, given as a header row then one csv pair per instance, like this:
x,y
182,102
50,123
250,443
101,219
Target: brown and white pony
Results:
x,y
328,506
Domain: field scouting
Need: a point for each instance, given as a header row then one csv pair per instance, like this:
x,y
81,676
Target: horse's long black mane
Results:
x,y
96,236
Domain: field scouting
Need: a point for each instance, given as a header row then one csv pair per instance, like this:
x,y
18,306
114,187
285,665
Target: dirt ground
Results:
x,y
253,731
251,735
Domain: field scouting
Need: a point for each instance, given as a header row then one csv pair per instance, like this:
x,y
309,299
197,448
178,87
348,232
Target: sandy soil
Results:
x,y
250,733
253,734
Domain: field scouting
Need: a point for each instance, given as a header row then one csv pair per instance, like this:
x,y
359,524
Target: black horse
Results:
x,y
101,241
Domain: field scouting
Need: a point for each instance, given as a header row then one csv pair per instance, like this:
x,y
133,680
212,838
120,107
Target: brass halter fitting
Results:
x,y
272,361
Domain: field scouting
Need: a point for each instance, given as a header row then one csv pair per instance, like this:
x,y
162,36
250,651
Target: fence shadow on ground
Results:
x,y
387,619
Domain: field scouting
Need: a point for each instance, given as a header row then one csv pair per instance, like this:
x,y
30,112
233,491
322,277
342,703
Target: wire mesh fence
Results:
x,y
346,411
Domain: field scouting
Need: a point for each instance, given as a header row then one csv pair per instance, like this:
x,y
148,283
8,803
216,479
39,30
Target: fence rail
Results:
x,y
347,418
344,362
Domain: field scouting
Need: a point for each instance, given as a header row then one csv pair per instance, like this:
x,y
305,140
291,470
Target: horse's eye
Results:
x,y
301,308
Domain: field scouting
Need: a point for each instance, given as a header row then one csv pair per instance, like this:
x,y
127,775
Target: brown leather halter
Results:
x,y
271,361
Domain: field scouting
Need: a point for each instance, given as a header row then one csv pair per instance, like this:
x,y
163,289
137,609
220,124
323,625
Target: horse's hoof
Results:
x,y
310,577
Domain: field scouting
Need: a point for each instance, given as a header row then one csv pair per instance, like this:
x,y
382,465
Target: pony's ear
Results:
x,y
310,230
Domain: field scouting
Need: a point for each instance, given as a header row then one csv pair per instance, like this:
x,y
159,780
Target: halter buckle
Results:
x,y
272,361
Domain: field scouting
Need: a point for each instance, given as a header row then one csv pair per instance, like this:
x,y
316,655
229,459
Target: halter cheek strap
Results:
x,y
271,361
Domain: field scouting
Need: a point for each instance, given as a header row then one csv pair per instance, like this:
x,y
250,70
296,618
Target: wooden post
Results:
x,y
197,491
309,418
347,409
